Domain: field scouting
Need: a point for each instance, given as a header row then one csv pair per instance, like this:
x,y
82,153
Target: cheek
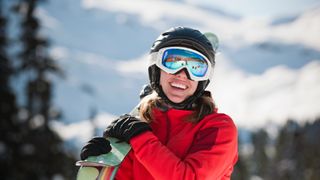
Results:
x,y
164,77
194,85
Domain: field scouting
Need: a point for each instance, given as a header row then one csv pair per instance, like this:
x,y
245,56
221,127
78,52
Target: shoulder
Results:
x,y
217,129
220,121
218,118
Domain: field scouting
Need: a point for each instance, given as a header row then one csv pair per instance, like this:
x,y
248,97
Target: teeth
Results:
x,y
181,86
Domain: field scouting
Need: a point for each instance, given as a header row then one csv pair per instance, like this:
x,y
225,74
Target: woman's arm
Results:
x,y
212,155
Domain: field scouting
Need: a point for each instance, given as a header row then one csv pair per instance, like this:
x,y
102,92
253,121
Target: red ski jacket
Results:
x,y
181,150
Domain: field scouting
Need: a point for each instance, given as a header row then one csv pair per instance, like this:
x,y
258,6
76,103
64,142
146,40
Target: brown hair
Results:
x,y
203,106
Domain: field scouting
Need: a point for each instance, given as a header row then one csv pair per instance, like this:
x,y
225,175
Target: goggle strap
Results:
x,y
152,58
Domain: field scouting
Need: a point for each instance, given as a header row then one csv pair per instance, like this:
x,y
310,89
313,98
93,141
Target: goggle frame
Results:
x,y
156,58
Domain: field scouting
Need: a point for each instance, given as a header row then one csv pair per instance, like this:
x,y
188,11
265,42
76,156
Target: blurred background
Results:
x,y
69,67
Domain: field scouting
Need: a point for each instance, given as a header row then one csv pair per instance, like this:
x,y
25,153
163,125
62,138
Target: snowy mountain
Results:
x,y
265,71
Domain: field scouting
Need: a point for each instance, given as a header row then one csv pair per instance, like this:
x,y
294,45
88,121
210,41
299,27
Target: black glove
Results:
x,y
96,146
126,127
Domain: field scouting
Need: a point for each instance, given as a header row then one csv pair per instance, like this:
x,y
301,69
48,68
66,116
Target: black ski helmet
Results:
x,y
183,37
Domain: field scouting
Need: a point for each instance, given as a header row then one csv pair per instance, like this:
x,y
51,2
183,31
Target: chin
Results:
x,y
176,100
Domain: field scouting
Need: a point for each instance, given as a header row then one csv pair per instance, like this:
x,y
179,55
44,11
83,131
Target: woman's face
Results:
x,y
177,87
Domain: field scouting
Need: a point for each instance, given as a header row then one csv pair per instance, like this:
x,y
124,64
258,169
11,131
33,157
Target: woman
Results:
x,y
180,134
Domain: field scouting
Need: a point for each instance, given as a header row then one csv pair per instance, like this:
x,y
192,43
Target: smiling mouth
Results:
x,y
178,85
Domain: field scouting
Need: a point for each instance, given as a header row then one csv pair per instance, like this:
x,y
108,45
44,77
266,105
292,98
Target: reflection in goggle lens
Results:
x,y
174,59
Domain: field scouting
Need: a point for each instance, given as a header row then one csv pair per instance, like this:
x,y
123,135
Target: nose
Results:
x,y
182,74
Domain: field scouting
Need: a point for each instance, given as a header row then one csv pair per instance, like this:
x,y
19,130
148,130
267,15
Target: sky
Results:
x,y
261,8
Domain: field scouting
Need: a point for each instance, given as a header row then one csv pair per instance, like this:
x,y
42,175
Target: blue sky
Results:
x,y
262,8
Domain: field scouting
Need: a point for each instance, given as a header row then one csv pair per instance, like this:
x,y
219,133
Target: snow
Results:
x,y
276,95
304,30
160,14
264,73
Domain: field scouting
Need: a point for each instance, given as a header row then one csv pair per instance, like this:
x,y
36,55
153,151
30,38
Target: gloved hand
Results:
x,y
96,146
126,127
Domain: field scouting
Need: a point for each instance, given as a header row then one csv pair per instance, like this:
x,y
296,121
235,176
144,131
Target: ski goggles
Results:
x,y
173,59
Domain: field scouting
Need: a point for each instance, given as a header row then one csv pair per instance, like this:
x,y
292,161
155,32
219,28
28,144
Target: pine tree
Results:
x,y
9,126
288,153
40,155
309,150
36,63
241,171
260,140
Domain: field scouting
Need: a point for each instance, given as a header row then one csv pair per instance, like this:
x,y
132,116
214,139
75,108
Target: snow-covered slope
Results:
x,y
265,72
303,30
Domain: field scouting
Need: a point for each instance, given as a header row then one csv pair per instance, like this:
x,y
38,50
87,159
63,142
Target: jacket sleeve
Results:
x,y
212,155
125,169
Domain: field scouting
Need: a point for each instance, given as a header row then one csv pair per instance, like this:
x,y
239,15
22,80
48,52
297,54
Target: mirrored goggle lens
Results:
x,y
175,59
